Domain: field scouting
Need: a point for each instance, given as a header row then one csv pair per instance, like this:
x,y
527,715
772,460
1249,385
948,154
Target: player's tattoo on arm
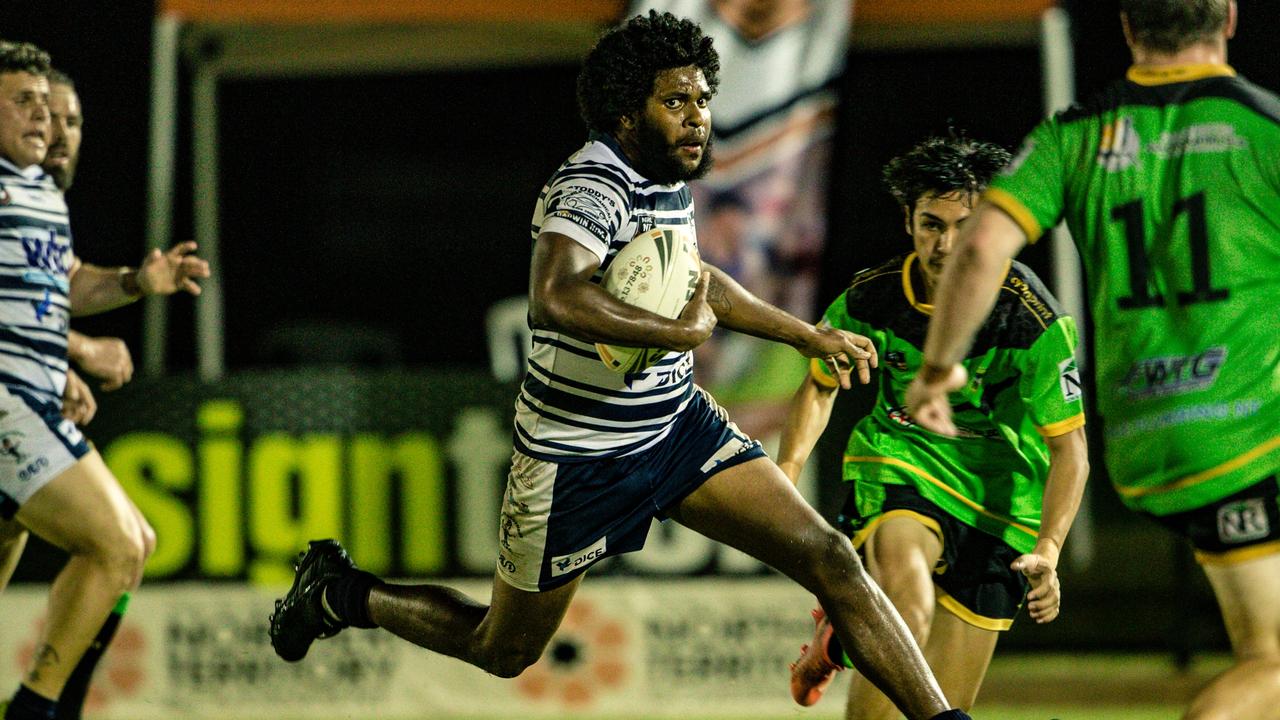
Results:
x,y
45,657
718,297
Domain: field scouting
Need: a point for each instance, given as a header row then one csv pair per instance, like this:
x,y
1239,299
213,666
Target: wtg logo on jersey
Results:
x,y
1119,146
1170,374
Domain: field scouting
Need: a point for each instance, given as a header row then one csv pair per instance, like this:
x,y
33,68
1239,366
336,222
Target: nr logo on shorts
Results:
x,y
562,564
1243,521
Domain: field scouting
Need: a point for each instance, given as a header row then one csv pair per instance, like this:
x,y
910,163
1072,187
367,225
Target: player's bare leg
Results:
x,y
13,538
901,554
754,508
502,638
85,512
959,654
1249,595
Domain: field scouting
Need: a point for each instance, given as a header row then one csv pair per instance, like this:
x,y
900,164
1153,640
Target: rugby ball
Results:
x,y
657,271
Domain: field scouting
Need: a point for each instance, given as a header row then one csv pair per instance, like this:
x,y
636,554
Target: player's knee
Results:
x,y
148,540
835,562
120,553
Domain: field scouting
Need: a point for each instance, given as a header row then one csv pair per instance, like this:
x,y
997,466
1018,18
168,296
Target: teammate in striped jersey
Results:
x,y
51,481
1170,184
598,455
105,358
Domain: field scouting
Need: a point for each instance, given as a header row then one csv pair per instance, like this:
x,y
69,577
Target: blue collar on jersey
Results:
x,y
612,143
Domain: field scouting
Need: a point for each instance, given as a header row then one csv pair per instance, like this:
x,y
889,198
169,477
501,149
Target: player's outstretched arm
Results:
x,y
105,358
563,298
965,295
739,310
97,289
807,417
1068,471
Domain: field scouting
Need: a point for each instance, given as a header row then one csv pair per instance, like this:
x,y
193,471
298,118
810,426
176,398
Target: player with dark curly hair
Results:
x,y
599,454
952,529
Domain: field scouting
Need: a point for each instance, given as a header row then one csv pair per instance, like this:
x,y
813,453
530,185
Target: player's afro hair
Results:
x,y
943,165
23,57
618,73
1170,25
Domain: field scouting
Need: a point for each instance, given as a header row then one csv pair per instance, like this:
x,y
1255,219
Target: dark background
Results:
x,y
395,208
397,205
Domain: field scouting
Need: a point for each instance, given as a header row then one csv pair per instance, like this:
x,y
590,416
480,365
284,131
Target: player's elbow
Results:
x,y
547,306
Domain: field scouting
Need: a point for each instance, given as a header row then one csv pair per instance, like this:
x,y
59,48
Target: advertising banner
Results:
x,y
655,648
407,469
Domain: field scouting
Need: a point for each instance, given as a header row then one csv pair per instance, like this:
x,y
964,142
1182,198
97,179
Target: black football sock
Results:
x,y
346,598
952,715
27,705
71,701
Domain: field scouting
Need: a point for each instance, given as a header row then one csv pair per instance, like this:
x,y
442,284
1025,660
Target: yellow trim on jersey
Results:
x,y
965,614
1239,555
1014,208
1234,463
864,534
818,371
1165,74
909,290
942,486
1022,298
1062,427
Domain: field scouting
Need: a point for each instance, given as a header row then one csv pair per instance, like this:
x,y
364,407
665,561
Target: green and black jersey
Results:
x,y
1170,184
1023,387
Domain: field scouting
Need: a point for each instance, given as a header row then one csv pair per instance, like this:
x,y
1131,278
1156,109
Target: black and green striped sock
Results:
x,y
71,701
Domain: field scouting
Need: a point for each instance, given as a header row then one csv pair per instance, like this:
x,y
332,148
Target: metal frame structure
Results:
x,y
214,52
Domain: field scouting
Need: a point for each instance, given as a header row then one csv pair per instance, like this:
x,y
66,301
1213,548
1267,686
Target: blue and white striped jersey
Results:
x,y
35,260
570,405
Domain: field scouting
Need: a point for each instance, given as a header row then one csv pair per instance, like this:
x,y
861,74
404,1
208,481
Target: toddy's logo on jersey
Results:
x,y
1069,379
584,206
1119,146
1173,373
587,201
1243,521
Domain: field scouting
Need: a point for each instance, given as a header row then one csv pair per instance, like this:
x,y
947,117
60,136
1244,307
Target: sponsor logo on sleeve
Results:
x,y
1024,152
1069,380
